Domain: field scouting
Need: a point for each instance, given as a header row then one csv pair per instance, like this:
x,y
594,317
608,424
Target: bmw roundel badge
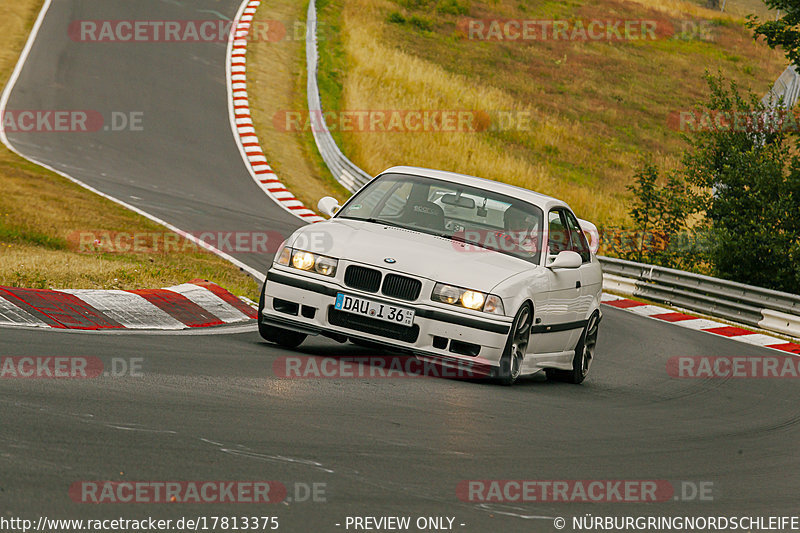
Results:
x,y
390,260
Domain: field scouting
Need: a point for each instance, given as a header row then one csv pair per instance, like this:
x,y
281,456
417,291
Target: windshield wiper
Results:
x,y
458,238
379,221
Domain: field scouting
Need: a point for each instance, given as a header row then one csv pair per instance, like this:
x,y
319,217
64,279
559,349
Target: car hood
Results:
x,y
418,254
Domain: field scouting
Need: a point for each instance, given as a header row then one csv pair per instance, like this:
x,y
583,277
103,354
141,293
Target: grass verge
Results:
x,y
276,77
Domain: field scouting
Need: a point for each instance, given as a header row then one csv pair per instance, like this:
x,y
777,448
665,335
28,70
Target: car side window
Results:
x,y
558,237
578,242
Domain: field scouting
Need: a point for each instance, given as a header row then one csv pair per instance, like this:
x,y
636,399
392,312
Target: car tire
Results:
x,y
282,337
516,346
584,355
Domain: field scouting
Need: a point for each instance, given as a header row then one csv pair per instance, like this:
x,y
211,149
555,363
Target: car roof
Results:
x,y
543,201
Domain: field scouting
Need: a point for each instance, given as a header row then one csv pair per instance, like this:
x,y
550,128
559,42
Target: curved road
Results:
x,y
211,407
183,166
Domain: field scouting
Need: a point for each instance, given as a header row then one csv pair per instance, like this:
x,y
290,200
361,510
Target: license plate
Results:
x,y
372,309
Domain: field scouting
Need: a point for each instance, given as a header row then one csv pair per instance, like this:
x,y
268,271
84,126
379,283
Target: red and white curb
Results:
x,y
664,314
242,123
190,305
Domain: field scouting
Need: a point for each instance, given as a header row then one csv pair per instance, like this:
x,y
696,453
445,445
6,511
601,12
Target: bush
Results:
x,y
452,7
751,198
660,209
396,18
421,23
741,176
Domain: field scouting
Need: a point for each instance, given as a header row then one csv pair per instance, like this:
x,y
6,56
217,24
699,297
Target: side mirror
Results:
x,y
566,259
328,206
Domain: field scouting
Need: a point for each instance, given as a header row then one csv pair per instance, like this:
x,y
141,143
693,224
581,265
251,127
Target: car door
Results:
x,y
564,295
591,274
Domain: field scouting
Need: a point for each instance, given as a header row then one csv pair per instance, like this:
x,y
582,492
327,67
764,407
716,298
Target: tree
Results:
x,y
660,209
784,32
751,190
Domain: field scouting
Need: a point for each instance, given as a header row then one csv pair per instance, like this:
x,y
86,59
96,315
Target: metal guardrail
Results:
x,y
737,302
785,91
344,170
754,306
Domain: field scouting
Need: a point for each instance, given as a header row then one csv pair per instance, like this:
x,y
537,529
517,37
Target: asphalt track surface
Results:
x,y
212,408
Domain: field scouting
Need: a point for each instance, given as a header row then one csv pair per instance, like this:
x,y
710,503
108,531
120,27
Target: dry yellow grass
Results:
x,y
39,214
33,267
383,77
16,18
39,210
595,108
682,8
742,8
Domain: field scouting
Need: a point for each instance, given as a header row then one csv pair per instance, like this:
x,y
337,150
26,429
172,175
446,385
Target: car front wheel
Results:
x,y
516,346
283,337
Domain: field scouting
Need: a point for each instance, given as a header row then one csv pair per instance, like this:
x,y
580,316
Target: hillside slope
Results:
x,y
583,111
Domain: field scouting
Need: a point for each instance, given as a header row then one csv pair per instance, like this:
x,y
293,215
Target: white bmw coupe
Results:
x,y
457,270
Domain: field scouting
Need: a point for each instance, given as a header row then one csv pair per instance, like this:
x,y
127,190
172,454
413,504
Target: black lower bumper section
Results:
x,y
477,368
372,326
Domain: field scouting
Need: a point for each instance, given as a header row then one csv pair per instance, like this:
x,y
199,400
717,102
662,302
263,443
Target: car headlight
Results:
x,y
473,299
479,301
325,265
302,260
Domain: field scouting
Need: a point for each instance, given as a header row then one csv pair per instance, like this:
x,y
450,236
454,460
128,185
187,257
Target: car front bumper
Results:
x,y
305,304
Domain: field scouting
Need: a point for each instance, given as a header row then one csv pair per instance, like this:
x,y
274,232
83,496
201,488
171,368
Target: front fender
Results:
x,y
531,285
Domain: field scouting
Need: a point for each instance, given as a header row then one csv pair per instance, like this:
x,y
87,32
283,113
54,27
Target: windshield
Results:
x,y
482,218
